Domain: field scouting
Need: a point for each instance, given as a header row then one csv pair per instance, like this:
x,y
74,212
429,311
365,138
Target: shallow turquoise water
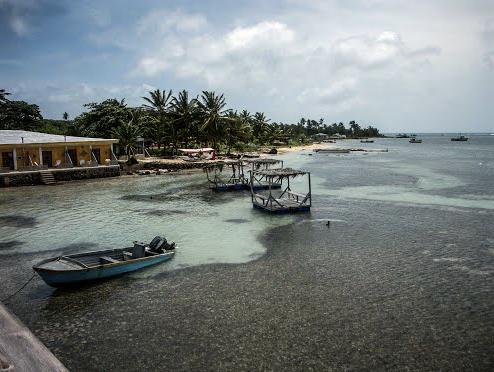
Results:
x,y
222,227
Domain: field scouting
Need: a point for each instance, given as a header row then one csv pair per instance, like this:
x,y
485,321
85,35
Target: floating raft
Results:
x,y
259,182
286,200
230,175
226,175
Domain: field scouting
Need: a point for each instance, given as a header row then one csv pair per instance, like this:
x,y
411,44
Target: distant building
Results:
x,y
23,150
338,136
320,136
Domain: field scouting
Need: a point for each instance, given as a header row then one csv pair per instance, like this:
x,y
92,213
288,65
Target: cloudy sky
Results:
x,y
399,65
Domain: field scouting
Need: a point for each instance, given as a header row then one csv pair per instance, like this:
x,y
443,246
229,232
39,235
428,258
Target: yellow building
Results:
x,y
23,150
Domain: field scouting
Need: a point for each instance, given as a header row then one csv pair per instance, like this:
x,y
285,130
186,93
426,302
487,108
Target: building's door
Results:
x,y
47,158
8,160
73,156
97,155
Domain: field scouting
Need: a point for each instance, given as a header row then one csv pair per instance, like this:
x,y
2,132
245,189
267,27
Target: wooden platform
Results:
x,y
20,350
288,206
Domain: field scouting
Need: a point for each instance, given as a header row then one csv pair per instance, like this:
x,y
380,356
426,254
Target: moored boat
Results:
x,y
366,141
415,140
333,151
89,266
459,139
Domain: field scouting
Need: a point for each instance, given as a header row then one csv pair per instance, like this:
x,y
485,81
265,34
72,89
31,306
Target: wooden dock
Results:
x,y
20,350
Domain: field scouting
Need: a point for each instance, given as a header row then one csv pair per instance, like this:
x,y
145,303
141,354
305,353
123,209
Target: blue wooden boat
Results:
x,y
85,267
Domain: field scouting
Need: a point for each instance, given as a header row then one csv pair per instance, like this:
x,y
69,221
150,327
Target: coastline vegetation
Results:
x,y
168,122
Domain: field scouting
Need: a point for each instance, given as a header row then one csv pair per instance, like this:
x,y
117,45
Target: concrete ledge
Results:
x,y
20,350
25,178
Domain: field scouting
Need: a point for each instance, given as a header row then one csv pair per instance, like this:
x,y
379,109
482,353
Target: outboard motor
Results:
x,y
155,242
170,247
160,245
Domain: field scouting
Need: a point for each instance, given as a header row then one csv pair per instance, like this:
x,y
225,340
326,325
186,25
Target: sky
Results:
x,y
424,66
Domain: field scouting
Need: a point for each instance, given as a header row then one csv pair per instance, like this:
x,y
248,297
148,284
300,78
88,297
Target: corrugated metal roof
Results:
x,y
14,137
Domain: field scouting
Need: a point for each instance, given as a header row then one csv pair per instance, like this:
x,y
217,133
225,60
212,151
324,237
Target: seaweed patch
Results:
x,y
18,221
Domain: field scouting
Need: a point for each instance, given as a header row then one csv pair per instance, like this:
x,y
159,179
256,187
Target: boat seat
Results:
x,y
106,260
138,251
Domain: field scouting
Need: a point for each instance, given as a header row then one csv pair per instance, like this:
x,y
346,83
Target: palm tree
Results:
x,y
273,133
158,103
260,124
212,116
237,129
184,115
3,94
127,134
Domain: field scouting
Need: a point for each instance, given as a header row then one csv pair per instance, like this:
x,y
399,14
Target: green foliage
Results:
x,y
184,116
174,121
18,114
61,127
212,116
103,118
158,127
128,132
3,96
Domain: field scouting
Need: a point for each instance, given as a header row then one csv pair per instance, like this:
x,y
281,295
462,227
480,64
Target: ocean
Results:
x,y
402,278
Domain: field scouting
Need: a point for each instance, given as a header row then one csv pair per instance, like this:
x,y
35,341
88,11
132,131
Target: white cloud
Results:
x,y
19,26
262,35
161,22
366,51
388,61
488,41
489,59
150,66
335,93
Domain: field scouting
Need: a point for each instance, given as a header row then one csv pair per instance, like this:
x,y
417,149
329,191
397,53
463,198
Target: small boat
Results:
x,y
329,141
459,139
415,140
85,267
367,141
333,151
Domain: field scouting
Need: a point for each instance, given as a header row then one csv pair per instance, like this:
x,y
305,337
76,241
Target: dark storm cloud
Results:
x,y
21,17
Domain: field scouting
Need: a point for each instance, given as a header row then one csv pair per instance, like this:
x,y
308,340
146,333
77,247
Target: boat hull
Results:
x,y
72,277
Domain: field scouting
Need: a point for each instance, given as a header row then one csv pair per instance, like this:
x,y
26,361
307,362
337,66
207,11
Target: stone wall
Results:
x,y
69,174
20,179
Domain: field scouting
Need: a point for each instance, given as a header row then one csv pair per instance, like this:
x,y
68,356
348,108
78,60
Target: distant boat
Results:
x,y
415,140
90,266
329,141
367,141
459,139
402,136
333,151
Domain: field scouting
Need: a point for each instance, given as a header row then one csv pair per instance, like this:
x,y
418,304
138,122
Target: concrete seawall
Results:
x,y
66,174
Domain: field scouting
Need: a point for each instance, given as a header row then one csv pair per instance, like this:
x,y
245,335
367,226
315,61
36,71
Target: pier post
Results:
x,y
14,156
